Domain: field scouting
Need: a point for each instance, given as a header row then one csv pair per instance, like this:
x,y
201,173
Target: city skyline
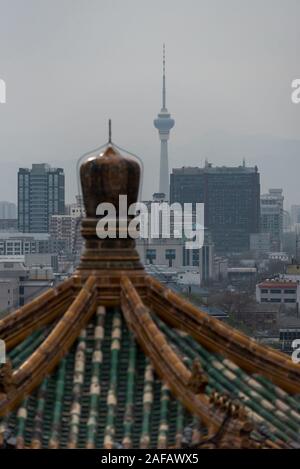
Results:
x,y
68,202
229,89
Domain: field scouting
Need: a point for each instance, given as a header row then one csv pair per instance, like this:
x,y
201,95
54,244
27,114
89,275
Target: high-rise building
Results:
x,y
76,209
231,197
287,221
8,224
163,123
295,214
271,209
260,244
41,193
63,230
8,210
65,235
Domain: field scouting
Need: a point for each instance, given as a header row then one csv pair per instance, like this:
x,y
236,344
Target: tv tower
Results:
x,y
164,124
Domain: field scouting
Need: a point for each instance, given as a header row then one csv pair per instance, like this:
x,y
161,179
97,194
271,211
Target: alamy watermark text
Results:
x,y
157,220
2,91
295,96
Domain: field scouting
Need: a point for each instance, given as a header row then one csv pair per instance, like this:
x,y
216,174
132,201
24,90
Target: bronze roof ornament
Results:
x,y
105,177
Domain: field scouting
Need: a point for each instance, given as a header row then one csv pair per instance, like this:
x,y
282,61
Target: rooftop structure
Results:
x,y
112,358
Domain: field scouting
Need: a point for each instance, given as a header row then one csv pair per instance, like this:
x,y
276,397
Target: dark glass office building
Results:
x,y
231,198
41,193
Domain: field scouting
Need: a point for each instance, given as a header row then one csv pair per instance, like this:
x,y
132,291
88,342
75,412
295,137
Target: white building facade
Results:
x,y
278,291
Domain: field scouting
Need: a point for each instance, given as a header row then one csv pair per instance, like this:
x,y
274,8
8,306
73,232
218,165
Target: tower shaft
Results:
x,y
164,169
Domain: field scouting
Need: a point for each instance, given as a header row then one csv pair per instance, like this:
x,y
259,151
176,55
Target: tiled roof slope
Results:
x,y
109,389
104,392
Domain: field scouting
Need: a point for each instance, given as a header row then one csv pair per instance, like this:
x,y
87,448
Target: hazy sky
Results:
x,y
69,65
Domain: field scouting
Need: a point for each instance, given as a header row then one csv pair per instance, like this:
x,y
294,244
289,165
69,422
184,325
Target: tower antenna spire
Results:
x,y
109,130
164,78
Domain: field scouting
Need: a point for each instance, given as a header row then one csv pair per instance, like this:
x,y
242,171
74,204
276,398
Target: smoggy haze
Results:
x,y
69,65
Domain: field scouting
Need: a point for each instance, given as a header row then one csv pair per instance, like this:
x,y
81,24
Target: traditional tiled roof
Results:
x,y
112,358
105,392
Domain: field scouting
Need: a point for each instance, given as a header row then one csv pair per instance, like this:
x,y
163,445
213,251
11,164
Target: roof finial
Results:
x,y
164,78
109,130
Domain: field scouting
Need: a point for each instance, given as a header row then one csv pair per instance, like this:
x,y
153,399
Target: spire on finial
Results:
x,y
109,130
164,78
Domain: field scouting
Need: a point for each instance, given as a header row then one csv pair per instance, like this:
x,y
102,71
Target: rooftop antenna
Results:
x,y
164,77
109,131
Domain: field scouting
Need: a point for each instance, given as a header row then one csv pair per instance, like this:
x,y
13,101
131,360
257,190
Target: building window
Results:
x,y
170,256
264,290
291,292
290,300
276,291
151,255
